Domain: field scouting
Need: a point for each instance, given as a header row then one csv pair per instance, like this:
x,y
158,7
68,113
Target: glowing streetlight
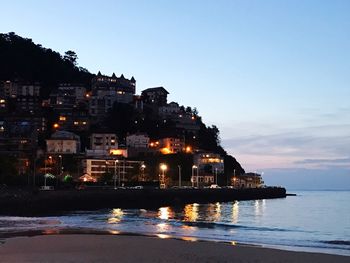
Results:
x,y
163,167
142,167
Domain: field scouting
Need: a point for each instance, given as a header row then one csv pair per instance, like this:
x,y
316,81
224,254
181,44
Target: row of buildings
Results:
x,y
33,126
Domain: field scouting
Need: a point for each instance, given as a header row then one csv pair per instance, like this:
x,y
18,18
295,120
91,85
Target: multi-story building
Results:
x,y
208,166
169,110
19,97
137,140
70,103
171,145
108,90
248,180
155,96
102,144
67,96
63,142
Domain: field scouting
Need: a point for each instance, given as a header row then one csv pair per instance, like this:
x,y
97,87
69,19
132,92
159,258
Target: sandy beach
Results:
x,y
119,248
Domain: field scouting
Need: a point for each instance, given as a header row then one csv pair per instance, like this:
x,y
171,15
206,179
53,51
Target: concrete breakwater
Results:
x,y
20,202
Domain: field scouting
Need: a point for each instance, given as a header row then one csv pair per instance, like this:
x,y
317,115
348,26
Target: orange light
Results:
x,y
56,125
116,152
165,150
62,118
188,149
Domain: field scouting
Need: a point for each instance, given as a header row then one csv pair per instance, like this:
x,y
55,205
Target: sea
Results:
x,y
312,221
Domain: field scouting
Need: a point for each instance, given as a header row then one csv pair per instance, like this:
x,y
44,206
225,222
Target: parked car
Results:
x,y
215,186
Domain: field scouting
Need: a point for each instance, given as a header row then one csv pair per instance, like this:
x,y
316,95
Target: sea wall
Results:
x,y
20,202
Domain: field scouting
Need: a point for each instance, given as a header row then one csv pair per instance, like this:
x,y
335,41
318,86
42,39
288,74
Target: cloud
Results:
x,y
311,147
328,161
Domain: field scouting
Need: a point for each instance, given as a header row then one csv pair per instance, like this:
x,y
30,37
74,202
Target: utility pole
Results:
x,y
179,166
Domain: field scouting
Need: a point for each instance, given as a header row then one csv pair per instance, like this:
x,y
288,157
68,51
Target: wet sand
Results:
x,y
119,248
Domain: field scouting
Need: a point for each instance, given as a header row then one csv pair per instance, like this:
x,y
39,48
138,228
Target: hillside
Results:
x,y
21,58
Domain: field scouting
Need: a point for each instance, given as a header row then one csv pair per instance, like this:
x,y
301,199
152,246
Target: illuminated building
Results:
x,y
63,142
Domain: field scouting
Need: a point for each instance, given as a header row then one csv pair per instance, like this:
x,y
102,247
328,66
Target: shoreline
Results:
x,y
103,247
100,232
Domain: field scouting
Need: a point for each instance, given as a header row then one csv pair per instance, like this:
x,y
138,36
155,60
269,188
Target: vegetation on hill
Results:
x,y
22,59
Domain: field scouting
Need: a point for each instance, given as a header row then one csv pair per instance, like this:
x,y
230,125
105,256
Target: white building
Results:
x,y
207,167
137,140
63,142
101,144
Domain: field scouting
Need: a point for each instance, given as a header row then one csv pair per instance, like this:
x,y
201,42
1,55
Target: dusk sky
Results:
x,y
272,75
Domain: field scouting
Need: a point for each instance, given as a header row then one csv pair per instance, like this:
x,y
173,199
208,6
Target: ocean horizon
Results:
x,y
311,221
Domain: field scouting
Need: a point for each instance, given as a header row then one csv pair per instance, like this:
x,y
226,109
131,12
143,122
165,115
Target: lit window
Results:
x,y
76,123
84,122
62,118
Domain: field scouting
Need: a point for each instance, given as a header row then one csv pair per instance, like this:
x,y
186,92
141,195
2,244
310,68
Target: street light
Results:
x,y
194,167
163,167
179,166
143,166
216,175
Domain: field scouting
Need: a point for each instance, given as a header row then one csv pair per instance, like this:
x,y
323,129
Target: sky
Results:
x,y
272,75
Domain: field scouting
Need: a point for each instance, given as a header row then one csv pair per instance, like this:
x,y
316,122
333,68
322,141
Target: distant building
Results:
x,y
101,144
137,140
67,96
248,180
63,142
108,90
155,96
169,110
20,97
70,103
186,121
207,166
171,145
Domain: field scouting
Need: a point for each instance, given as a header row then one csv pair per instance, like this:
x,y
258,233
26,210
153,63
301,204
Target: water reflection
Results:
x,y
163,236
235,212
259,207
165,213
191,212
114,232
213,212
162,227
115,216
192,239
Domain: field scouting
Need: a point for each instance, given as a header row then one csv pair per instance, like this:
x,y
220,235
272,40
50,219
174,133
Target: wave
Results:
x,y
212,225
337,242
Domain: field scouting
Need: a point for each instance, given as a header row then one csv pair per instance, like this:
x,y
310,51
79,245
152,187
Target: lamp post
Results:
x,y
179,166
216,175
163,167
192,177
143,166
115,174
194,167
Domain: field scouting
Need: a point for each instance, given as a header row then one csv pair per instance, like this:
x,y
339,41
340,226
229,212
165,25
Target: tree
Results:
x,y
71,56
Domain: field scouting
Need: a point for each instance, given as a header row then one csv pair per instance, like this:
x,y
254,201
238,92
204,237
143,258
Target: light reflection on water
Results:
x,y
291,222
